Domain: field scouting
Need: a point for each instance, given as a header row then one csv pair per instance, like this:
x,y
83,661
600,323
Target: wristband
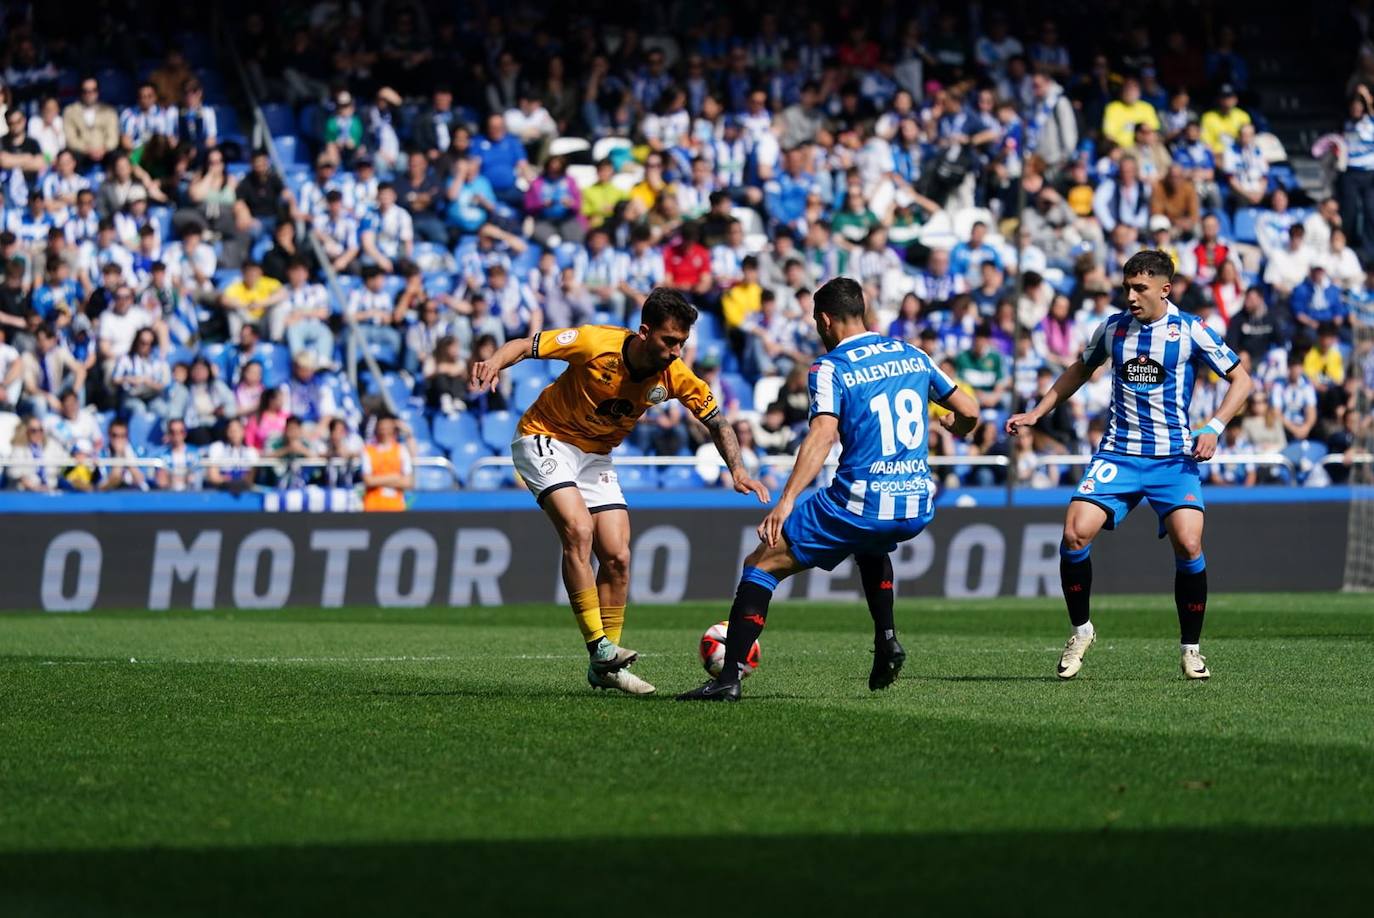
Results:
x,y
1214,426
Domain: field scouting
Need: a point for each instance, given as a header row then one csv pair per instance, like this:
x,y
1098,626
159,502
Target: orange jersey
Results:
x,y
596,402
393,459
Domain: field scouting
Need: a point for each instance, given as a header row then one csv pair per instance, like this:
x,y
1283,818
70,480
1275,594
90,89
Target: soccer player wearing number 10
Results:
x,y
872,393
1147,451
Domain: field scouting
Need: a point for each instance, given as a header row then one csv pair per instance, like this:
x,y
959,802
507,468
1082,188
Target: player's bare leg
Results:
x,y
1082,523
611,544
573,523
764,567
875,573
1184,527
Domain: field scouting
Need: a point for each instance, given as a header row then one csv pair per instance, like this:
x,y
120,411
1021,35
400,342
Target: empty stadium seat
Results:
x,y
676,477
743,391
766,391
432,478
453,431
526,391
637,478
1245,227
498,429
491,478
288,148
280,119
465,454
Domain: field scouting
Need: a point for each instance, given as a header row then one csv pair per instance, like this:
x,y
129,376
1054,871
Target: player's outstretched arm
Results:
x,y
1069,382
810,458
487,373
964,416
728,446
1237,395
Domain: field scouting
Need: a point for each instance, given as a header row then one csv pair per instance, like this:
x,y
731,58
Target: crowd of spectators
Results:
x,y
167,291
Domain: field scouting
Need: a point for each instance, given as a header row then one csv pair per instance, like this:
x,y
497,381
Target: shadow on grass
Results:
x,y
1116,872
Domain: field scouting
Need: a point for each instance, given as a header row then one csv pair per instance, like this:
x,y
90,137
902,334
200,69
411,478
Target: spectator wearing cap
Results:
x,y
1123,200
1316,301
1161,238
1122,116
91,127
432,130
343,129
503,161
1221,125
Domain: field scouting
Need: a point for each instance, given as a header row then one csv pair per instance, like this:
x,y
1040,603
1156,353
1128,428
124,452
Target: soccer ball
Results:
x,y
712,651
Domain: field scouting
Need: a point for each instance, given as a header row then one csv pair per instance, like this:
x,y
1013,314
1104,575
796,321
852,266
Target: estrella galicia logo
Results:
x,y
1141,374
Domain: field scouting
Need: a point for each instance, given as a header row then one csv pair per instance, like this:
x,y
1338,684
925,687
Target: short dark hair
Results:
x,y
1149,261
664,305
840,298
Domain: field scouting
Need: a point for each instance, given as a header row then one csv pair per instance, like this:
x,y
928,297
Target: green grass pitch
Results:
x,y
455,762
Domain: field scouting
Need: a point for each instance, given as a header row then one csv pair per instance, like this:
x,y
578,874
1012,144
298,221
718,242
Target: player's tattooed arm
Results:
x,y
723,435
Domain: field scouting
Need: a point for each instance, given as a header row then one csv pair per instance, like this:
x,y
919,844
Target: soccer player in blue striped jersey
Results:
x,y
1147,452
873,394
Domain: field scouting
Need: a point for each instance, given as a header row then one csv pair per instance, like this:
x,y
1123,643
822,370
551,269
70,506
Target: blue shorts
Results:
x,y
822,533
1116,483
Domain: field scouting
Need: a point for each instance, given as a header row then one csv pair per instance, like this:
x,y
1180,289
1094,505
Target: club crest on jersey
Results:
x,y
1088,486
1173,334
567,336
1141,374
657,394
548,465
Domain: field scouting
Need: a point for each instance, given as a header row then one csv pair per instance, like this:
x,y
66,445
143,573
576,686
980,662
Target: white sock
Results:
x,y
1196,648
1084,630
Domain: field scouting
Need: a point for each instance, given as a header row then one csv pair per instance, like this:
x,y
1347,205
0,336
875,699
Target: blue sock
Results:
x,y
1196,565
762,578
1073,556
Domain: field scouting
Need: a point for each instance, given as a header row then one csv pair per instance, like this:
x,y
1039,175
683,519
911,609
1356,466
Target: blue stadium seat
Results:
x,y
438,283
397,387
276,364
498,429
490,478
226,119
288,148
145,432
428,478
528,369
677,477
116,87
743,391
626,448
280,118
637,478
554,368
311,122
162,216
1245,227
526,391
522,264
216,93
464,455
453,431
1305,455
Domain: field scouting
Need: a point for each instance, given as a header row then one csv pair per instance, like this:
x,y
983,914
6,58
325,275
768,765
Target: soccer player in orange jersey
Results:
x,y
562,450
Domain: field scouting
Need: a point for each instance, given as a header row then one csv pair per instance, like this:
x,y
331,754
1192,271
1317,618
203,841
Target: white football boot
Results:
x,y
621,679
1071,660
1195,665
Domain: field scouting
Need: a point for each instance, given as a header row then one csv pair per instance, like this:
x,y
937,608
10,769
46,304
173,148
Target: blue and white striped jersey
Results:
x,y
1153,368
879,388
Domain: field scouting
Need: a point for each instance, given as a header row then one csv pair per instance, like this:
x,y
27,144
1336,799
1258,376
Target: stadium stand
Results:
x,y
500,177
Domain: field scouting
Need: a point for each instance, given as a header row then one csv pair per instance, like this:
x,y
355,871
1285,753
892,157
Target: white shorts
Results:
x,y
547,464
